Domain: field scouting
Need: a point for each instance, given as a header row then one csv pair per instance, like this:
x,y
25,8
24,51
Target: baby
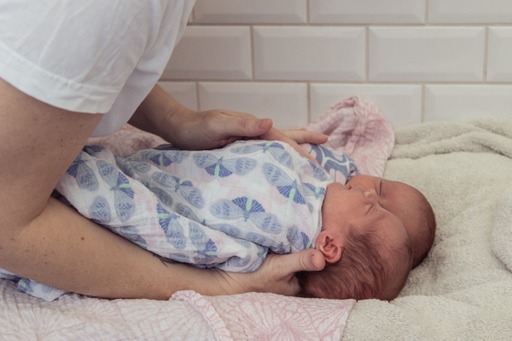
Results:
x,y
409,205
237,203
228,208
415,215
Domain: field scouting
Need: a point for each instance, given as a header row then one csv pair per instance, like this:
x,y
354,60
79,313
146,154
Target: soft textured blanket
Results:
x,y
463,290
189,315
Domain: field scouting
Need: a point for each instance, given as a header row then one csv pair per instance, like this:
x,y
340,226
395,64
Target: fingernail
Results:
x,y
264,123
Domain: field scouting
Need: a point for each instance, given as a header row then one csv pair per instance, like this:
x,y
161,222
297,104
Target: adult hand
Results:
x,y
215,128
302,135
162,115
276,275
295,136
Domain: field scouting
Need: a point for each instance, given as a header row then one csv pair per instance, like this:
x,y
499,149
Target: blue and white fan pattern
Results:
x,y
210,202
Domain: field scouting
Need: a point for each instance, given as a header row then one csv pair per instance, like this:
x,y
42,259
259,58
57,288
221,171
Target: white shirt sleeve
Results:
x,y
90,56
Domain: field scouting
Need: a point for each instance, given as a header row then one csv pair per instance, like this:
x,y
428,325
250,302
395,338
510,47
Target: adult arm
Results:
x,y
162,115
42,239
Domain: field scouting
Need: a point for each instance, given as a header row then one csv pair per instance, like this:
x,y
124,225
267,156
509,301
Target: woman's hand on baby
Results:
x,y
281,270
295,136
276,274
187,129
302,135
214,128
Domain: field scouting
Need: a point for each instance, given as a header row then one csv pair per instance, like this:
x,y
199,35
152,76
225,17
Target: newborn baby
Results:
x,y
228,208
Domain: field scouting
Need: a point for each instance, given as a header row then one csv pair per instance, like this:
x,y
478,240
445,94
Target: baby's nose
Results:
x,y
370,194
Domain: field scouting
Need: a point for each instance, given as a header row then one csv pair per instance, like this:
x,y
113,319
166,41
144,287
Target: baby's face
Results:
x,y
347,207
399,199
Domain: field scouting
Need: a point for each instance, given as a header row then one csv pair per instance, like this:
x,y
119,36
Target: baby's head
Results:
x,y
366,248
409,205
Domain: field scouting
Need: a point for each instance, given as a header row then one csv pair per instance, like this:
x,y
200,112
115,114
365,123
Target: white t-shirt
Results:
x,y
94,56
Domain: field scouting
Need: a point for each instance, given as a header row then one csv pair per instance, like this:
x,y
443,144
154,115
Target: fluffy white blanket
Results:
x,y
463,291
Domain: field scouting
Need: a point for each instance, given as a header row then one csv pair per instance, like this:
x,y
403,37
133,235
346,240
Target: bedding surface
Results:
x,y
463,290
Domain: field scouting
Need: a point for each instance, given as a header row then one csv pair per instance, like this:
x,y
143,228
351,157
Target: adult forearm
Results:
x,y
62,249
43,239
156,112
162,115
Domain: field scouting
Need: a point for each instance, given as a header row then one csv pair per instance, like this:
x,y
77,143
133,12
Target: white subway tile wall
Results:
x,y
251,12
212,52
470,11
309,53
499,62
285,103
367,12
467,101
186,92
426,54
418,60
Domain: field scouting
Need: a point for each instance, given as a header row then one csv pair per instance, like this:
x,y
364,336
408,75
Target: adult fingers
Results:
x,y
305,136
276,134
235,124
305,260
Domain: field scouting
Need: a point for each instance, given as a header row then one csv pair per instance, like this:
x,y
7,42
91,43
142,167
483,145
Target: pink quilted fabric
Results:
x,y
128,140
359,129
257,316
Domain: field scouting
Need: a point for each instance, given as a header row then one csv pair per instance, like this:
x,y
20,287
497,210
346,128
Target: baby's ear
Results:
x,y
330,245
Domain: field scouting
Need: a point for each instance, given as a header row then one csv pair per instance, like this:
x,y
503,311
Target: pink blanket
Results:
x,y
359,129
259,316
186,316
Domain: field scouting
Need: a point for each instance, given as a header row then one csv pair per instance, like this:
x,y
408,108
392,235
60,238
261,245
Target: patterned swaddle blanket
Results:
x,y
224,208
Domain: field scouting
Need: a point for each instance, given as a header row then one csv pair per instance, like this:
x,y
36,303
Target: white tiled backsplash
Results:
x,y
418,60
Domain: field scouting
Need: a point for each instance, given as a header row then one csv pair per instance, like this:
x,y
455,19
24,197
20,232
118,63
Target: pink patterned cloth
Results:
x,y
257,316
359,129
186,316
128,140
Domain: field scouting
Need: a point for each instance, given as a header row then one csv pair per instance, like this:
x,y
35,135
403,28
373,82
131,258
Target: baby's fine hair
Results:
x,y
428,218
361,272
